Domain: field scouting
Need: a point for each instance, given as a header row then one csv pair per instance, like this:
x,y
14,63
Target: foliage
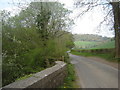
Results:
x,y
26,76
107,56
70,79
90,37
33,38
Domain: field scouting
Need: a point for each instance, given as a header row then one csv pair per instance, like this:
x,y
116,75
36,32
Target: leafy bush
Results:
x,y
34,39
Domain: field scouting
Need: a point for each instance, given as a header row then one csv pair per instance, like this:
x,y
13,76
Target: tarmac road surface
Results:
x,y
94,74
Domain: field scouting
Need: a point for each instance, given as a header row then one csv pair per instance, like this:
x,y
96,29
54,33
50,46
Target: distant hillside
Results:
x,y
89,37
90,41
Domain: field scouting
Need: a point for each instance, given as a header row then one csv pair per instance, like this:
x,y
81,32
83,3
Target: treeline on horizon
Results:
x,y
34,39
91,37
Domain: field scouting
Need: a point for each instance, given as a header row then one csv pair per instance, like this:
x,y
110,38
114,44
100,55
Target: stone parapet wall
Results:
x,y
51,77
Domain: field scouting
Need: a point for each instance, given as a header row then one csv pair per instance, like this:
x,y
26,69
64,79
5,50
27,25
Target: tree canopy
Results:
x,y
34,39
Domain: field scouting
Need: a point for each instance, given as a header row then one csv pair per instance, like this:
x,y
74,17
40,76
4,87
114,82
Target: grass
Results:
x,y
107,56
85,44
69,81
94,45
109,44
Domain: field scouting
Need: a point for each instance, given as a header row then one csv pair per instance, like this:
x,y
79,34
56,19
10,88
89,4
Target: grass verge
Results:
x,y
107,56
69,81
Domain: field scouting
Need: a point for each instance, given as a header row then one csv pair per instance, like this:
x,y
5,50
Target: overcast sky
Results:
x,y
85,25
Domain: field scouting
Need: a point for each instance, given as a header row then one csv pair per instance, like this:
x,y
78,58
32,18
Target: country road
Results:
x,y
94,74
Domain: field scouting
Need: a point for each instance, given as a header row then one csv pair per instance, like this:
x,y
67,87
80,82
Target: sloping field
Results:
x,y
86,44
94,45
109,44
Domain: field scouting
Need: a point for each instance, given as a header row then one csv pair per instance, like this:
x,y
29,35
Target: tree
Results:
x,y
34,39
111,12
116,12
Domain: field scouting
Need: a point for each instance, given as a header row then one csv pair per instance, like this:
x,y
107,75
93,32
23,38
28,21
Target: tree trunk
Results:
x,y
116,13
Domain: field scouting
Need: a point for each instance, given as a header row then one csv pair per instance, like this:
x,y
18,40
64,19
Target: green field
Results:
x,y
94,45
110,44
85,44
